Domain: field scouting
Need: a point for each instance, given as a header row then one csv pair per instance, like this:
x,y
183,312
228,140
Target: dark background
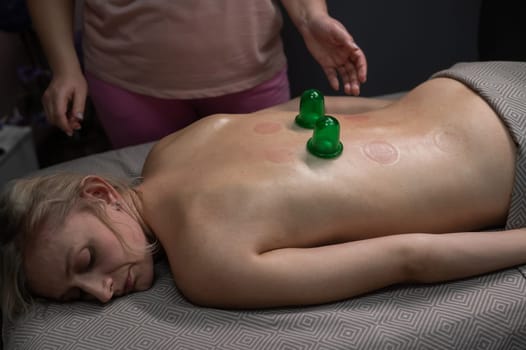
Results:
x,y
406,41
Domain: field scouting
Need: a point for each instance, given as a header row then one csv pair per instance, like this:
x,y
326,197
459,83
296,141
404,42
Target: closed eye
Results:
x,y
91,261
85,260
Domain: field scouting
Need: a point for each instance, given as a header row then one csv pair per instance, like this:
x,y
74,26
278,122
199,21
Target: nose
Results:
x,y
98,287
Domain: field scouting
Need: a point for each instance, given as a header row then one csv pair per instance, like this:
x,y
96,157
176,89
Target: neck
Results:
x,y
134,203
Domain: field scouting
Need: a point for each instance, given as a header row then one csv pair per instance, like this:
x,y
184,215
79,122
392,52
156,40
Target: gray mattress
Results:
x,y
486,312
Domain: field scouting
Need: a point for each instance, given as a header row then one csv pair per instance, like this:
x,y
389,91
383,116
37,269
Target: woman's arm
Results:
x,y
305,276
302,11
53,22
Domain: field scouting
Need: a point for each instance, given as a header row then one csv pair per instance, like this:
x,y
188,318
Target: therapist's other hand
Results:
x,y
64,101
334,49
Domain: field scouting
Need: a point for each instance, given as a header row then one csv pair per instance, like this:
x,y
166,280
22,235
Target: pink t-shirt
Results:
x,y
183,48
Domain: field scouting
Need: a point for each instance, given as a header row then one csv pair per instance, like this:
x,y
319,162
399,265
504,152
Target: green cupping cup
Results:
x,y
325,141
312,107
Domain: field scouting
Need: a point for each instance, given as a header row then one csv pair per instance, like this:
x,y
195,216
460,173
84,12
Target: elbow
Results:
x,y
415,257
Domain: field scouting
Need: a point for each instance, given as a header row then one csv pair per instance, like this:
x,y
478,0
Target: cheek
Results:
x,y
135,233
130,232
111,253
145,274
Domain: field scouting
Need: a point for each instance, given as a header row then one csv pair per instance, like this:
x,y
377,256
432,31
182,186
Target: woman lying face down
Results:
x,y
248,218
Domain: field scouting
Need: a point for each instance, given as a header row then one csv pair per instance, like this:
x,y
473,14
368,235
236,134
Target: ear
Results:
x,y
95,187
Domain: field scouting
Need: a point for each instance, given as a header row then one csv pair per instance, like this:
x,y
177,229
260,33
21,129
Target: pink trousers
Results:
x,y
130,118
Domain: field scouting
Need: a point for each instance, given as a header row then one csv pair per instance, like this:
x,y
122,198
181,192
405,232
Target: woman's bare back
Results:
x,y
438,160
229,188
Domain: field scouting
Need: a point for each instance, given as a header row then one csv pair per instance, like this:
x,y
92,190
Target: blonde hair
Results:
x,y
26,205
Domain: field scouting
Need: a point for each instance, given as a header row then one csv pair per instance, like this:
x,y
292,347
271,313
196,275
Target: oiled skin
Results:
x,y
248,218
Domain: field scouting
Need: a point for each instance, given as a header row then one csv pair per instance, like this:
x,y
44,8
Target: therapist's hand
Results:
x,y
334,49
64,101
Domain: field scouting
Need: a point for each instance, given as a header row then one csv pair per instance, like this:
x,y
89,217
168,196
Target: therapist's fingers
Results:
x,y
354,81
359,62
76,114
58,107
350,50
345,77
350,80
332,77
